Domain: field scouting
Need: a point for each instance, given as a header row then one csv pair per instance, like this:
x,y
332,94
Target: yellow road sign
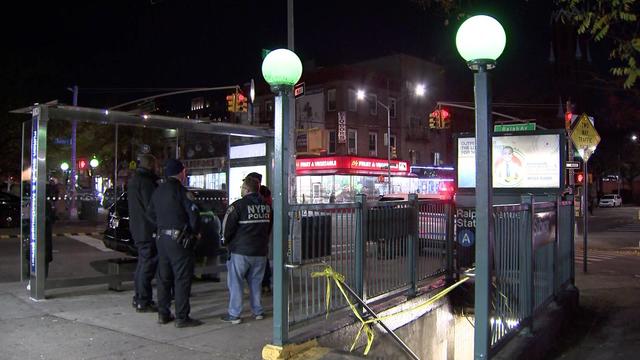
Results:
x,y
584,136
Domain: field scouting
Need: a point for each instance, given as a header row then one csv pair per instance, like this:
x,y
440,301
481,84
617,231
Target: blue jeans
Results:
x,y
240,268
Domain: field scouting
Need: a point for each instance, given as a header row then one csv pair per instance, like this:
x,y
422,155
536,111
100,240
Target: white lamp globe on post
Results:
x,y
281,69
480,41
64,166
94,163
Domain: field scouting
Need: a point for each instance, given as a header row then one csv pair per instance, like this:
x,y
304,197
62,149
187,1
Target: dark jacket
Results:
x,y
170,207
139,190
246,226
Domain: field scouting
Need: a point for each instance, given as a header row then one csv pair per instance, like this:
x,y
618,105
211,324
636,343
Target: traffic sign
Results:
x,y
514,127
573,165
298,90
585,137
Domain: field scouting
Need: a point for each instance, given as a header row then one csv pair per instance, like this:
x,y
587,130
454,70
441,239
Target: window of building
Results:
x,y
393,140
268,116
353,141
197,103
353,100
392,106
373,144
332,142
373,104
331,100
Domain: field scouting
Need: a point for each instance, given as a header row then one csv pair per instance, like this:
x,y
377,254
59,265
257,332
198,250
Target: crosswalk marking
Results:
x,y
91,241
593,256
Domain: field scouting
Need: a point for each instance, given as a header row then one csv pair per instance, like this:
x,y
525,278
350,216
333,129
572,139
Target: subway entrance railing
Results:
x,y
389,249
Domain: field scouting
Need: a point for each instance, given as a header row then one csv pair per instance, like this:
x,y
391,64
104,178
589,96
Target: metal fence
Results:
x,y
532,261
382,249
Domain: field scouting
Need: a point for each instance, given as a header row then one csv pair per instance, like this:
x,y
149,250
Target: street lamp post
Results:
x,y
480,41
361,95
281,69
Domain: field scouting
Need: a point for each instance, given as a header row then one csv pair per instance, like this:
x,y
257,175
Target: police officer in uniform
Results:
x,y
246,227
175,216
139,191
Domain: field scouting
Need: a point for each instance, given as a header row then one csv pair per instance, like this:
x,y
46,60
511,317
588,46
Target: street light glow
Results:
x,y
360,94
64,166
479,38
94,163
420,89
634,137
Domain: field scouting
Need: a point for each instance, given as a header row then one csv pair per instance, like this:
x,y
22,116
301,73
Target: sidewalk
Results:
x,y
607,324
94,323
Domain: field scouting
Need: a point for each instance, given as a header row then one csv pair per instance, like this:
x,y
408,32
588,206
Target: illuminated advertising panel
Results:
x,y
350,165
522,161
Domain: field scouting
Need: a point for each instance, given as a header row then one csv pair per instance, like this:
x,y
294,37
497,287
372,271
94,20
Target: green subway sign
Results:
x,y
514,127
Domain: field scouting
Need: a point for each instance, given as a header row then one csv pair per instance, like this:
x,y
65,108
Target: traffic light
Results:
x,y
434,120
445,119
394,153
82,163
231,103
578,177
241,103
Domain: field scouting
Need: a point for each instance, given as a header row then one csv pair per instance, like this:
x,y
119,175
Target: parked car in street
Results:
x,y
610,200
118,237
9,210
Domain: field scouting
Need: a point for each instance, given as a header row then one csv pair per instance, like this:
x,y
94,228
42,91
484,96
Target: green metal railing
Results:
x,y
383,249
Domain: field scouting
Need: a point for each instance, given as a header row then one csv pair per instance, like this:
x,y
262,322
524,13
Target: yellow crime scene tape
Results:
x,y
365,325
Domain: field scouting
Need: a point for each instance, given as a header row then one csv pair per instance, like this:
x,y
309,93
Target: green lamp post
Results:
x,y
480,41
94,163
64,166
281,69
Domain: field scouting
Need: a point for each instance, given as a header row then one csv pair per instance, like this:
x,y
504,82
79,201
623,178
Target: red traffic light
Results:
x,y
579,177
82,164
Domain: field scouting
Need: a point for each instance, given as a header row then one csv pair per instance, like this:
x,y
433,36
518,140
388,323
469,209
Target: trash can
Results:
x,y
315,236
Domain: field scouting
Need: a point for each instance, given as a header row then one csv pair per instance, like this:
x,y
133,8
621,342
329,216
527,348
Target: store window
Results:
x,y
373,144
353,100
332,142
331,100
353,142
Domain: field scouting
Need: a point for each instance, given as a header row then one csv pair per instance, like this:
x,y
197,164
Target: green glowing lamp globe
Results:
x,y
94,163
281,68
64,166
481,39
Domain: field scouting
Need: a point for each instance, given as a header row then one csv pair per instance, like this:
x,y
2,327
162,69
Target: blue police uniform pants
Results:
x,y
175,270
251,269
145,271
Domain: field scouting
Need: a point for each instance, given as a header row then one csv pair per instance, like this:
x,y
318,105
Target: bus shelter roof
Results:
x,y
114,117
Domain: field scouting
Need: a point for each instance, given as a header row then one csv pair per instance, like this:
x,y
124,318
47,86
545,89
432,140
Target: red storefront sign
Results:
x,y
349,165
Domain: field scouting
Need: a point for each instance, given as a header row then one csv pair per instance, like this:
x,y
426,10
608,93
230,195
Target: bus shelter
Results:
x,y
33,254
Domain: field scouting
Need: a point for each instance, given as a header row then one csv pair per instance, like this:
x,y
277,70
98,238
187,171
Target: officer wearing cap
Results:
x,y
174,214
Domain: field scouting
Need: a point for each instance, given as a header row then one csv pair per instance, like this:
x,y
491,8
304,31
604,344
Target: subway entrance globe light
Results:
x,y
94,163
281,68
480,40
64,166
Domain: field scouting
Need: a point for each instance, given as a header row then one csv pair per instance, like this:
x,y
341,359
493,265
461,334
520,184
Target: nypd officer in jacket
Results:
x,y
174,214
246,227
139,192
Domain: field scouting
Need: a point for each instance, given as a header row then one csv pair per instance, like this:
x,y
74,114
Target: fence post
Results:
x,y
572,220
361,241
556,247
449,211
527,282
412,244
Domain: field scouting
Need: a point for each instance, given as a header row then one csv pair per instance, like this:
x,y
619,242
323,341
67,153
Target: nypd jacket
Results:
x,y
246,226
139,191
171,208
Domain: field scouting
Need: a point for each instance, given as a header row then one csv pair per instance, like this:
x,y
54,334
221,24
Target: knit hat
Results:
x,y
173,167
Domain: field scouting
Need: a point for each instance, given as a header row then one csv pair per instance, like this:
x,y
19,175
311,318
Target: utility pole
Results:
x,y
73,212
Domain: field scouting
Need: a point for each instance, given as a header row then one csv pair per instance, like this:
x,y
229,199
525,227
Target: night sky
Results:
x,y
171,43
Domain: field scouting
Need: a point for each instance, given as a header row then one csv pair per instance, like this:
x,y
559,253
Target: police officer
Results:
x,y
140,189
246,227
174,214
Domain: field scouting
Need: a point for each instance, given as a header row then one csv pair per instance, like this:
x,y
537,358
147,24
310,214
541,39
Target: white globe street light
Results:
x,y
480,41
281,69
64,166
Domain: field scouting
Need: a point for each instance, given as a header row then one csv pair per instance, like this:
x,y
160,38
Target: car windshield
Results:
x,y
608,197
